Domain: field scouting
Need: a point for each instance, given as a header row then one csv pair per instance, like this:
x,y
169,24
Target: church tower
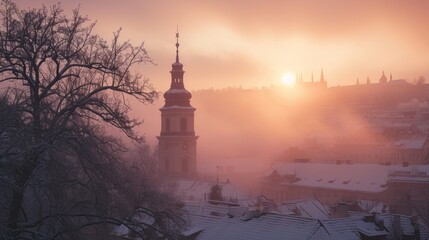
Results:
x,y
322,82
383,79
177,141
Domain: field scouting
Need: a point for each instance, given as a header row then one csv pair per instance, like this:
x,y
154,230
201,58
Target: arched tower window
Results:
x,y
185,165
183,125
167,124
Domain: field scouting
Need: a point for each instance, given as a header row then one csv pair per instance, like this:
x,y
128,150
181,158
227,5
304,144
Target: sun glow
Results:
x,y
288,79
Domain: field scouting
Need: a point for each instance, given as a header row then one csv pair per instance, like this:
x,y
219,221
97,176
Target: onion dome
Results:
x,y
177,97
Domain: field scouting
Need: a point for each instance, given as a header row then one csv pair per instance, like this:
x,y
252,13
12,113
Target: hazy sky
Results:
x,y
253,43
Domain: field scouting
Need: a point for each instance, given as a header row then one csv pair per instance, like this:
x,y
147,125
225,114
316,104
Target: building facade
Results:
x,y
405,188
177,141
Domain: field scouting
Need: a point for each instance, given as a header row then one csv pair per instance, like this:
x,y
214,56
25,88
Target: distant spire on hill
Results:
x,y
383,78
322,78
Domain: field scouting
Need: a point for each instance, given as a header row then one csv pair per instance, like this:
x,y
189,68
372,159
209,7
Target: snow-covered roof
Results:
x,y
311,208
405,223
259,224
413,174
352,177
255,201
199,190
416,142
349,228
218,210
200,221
356,177
266,226
371,206
275,226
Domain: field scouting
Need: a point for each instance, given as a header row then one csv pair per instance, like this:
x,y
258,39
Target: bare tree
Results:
x,y
61,175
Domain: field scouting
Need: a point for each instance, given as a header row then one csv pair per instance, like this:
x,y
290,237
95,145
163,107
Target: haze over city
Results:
x,y
206,120
256,44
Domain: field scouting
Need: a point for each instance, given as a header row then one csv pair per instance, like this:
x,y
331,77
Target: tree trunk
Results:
x,y
18,194
15,207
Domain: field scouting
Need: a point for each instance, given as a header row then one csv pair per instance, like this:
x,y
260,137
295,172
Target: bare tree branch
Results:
x,y
62,175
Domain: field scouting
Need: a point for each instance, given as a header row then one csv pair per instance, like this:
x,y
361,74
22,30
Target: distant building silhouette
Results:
x,y
382,93
383,78
177,141
322,84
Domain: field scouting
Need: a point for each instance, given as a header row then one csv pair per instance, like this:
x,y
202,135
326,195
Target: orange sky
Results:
x,y
252,43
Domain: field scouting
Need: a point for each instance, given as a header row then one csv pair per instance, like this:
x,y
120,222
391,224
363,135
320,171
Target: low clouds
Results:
x,y
250,43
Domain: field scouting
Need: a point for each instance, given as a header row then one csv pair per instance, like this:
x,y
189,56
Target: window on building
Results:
x,y
167,124
184,165
183,125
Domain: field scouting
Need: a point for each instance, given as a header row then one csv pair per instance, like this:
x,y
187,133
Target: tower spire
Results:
x,y
174,97
322,78
177,44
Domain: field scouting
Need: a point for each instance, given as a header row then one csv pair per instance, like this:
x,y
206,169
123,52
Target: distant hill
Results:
x,y
238,122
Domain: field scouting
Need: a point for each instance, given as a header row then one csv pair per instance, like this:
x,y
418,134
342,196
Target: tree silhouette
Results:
x,y
61,175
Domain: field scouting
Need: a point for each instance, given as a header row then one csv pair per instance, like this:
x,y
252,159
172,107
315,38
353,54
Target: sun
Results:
x,y
288,79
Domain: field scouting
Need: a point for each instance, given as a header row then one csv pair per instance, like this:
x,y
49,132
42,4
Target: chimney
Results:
x,y
342,210
417,232
416,225
414,217
379,221
397,226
